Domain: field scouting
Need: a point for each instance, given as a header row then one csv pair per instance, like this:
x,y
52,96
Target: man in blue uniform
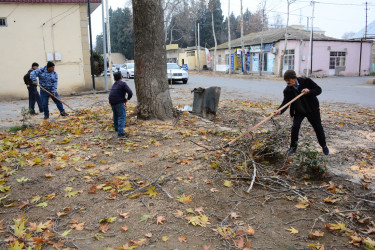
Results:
x,y
48,80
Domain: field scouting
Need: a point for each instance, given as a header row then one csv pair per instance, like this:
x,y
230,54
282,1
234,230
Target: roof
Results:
x,y
275,35
49,1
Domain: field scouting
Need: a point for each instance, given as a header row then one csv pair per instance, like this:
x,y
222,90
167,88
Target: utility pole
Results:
x,y
199,52
109,44
366,21
229,42
309,58
242,44
286,40
260,68
104,49
91,57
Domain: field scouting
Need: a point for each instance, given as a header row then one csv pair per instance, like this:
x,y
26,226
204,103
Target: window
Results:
x,y
3,21
219,61
289,59
336,59
191,53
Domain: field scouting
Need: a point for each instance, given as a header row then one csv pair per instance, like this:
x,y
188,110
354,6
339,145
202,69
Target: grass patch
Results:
x,y
15,129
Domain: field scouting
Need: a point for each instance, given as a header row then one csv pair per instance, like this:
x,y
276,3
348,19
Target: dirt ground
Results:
x,y
70,183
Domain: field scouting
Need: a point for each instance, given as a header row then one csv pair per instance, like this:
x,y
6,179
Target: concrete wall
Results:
x,y
37,29
191,59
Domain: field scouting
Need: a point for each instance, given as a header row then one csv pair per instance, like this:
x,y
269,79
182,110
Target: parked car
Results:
x,y
175,73
108,73
127,70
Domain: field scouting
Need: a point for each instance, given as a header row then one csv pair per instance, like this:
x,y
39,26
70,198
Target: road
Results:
x,y
335,89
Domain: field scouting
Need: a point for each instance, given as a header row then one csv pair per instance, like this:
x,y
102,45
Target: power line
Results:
x,y
344,4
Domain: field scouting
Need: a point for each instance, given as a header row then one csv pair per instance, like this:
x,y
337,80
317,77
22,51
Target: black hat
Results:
x,y
50,64
34,64
290,74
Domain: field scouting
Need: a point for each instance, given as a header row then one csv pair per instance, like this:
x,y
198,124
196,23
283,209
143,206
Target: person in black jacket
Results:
x,y
33,91
306,106
117,99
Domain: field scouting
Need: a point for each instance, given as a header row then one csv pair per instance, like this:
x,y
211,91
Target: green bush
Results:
x,y
98,63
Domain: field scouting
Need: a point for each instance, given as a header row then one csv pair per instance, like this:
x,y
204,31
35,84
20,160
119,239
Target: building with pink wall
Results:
x,y
330,56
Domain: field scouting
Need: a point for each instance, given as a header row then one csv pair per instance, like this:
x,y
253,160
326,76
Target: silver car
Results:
x,y
127,70
175,73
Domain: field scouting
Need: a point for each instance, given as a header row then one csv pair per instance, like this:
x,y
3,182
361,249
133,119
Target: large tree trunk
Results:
x,y
154,100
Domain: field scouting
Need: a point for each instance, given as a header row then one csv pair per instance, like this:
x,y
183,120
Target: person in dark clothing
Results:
x,y
33,91
117,99
306,106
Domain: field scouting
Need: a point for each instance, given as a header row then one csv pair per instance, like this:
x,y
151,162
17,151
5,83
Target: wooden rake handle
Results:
x,y
261,123
53,96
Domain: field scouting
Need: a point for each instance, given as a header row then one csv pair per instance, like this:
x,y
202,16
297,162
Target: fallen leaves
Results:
x,y
104,228
228,183
160,219
292,230
184,199
77,226
336,227
182,238
316,234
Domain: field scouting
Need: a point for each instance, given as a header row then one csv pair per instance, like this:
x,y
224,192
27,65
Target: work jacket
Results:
x,y
47,80
306,103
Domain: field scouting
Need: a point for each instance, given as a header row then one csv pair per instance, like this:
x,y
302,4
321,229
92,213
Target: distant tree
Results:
x,y
154,101
347,35
99,44
122,34
205,21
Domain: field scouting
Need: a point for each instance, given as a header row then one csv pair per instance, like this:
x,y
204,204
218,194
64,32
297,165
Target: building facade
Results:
x,y
41,31
331,57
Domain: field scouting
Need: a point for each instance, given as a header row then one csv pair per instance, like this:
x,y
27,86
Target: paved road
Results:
x,y
335,89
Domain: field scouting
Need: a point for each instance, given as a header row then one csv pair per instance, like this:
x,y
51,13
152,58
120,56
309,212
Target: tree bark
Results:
x,y
154,101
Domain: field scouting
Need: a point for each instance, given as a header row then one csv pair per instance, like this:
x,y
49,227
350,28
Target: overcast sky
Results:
x,y
336,17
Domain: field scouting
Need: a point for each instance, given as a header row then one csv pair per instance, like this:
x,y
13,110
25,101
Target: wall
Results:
x,y
35,29
321,57
191,59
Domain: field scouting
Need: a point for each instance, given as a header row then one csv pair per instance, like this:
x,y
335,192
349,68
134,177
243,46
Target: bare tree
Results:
x,y
170,8
229,42
212,6
242,44
263,3
151,84
286,39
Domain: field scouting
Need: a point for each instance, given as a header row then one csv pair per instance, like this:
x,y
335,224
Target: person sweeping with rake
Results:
x,y
305,106
48,82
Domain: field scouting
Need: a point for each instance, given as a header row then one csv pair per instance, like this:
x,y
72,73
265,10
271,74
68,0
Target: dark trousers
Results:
x,y
34,97
45,98
316,123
